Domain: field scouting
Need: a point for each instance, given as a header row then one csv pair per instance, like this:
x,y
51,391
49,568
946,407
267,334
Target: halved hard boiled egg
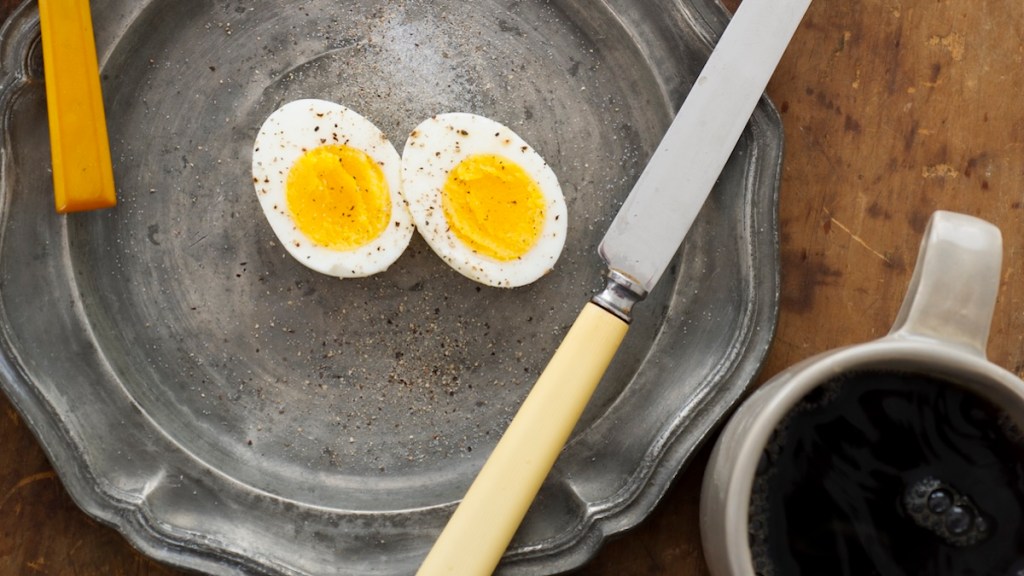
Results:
x,y
483,199
328,181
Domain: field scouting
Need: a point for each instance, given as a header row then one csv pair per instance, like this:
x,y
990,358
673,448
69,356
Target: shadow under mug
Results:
x,y
940,334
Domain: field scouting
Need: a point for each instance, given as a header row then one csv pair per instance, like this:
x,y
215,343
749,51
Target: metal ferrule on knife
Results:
x,y
620,294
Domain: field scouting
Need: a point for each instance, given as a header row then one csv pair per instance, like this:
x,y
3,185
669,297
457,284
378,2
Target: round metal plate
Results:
x,y
229,410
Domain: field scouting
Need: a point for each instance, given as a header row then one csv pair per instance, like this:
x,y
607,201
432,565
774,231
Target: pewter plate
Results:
x,y
231,411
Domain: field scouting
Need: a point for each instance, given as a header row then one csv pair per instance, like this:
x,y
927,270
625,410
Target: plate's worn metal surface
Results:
x,y
231,411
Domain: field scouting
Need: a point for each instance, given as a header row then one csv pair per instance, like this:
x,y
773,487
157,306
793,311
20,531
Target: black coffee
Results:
x,y
890,474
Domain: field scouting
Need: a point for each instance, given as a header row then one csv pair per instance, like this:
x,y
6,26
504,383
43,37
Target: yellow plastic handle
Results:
x,y
483,524
83,178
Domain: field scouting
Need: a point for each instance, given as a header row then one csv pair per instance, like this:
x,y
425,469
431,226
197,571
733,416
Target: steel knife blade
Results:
x,y
658,213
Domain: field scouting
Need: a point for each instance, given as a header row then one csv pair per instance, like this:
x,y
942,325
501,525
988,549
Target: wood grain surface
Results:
x,y
892,109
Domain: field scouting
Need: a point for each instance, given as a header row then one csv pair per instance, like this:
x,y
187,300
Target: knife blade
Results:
x,y
648,229
640,243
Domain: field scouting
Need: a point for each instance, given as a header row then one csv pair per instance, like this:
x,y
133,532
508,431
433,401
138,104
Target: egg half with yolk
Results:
x,y
483,199
328,181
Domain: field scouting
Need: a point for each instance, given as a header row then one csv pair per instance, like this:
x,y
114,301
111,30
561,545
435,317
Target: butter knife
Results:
x,y
639,245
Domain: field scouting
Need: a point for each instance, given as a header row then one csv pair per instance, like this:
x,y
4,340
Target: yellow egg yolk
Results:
x,y
493,206
338,197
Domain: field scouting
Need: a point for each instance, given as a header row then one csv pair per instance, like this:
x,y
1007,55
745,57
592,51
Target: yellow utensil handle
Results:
x,y
82,175
483,524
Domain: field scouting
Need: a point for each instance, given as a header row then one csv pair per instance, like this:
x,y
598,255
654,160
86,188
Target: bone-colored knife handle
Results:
x,y
484,522
83,178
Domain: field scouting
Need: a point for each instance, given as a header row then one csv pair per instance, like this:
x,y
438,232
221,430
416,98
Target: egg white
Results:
x,y
437,146
303,125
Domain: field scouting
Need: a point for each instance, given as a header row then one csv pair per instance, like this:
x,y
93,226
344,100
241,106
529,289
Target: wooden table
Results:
x,y
892,109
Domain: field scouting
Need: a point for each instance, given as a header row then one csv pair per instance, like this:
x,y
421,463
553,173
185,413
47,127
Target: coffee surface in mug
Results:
x,y
890,474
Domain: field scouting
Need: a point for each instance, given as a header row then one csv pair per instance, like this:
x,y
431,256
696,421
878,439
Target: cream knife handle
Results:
x,y
484,522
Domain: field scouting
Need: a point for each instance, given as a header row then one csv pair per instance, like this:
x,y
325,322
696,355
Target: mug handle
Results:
x,y
952,294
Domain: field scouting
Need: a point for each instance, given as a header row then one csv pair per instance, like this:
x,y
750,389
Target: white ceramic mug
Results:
x,y
941,331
